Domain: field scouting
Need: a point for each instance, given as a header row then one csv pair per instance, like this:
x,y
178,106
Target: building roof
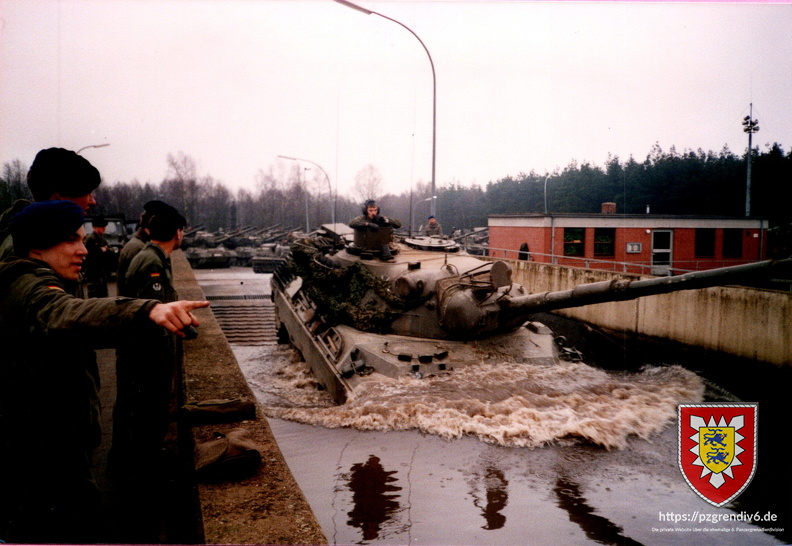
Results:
x,y
624,220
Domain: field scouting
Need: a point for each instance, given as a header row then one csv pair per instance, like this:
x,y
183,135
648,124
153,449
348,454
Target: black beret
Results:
x,y
154,207
99,221
44,224
164,220
56,170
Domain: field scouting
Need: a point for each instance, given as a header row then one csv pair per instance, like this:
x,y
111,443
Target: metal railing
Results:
x,y
637,267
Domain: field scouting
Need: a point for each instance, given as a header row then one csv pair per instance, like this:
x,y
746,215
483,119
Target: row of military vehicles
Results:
x,y
263,249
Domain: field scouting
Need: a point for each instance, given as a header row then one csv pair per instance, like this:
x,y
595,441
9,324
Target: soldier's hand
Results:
x,y
373,227
176,315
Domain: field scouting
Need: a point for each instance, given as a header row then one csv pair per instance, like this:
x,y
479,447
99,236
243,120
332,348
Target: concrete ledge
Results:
x,y
267,508
745,322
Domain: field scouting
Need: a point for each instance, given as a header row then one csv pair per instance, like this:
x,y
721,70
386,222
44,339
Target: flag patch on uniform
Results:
x,y
155,274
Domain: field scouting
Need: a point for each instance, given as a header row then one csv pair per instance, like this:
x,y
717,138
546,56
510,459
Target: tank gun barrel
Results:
x,y
193,229
623,289
464,316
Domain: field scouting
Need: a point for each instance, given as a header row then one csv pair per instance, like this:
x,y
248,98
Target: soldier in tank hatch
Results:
x,y
372,221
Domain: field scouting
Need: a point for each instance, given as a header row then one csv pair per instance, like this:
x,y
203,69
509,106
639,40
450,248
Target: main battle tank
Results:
x,y
430,310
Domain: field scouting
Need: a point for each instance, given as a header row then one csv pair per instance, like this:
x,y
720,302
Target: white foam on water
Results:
x,y
509,404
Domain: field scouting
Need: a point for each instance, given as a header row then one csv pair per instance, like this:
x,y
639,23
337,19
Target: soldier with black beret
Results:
x,y
136,243
144,373
56,174
48,426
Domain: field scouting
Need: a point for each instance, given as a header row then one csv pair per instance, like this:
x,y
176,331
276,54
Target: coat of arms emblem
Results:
x,y
717,449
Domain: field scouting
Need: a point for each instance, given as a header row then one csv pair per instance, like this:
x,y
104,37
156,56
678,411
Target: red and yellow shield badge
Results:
x,y
717,449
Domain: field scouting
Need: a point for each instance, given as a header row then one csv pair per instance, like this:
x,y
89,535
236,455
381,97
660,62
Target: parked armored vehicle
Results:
x,y
430,310
268,257
209,258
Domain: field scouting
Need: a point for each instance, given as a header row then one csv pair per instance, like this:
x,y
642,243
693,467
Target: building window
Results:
x,y
732,243
705,243
634,248
604,242
574,244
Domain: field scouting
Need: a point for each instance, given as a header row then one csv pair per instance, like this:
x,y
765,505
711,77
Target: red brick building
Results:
x,y
633,243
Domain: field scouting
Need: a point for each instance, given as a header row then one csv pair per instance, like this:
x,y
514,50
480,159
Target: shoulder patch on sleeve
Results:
x,y
55,287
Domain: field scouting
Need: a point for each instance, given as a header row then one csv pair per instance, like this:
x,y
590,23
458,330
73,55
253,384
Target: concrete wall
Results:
x,y
746,322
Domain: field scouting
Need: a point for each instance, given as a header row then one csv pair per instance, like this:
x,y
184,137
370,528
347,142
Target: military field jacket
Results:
x,y
363,222
47,390
150,276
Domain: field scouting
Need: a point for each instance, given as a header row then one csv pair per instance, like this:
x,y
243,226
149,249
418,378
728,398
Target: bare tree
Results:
x,y
368,183
13,183
182,174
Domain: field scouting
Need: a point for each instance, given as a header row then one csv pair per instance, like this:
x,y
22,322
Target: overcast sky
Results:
x,y
521,86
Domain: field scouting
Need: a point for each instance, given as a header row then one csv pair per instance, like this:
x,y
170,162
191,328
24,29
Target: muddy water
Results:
x,y
498,455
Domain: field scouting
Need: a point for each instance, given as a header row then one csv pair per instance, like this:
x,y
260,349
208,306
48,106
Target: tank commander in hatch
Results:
x,y
433,228
372,221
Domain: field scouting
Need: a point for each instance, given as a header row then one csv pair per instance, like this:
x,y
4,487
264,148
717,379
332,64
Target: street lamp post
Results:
x,y
92,146
545,193
305,189
434,86
750,126
329,186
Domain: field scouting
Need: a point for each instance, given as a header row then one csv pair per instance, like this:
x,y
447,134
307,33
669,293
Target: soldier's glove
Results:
x,y
373,227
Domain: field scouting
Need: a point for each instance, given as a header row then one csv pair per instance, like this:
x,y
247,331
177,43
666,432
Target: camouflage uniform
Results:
x,y
144,372
48,401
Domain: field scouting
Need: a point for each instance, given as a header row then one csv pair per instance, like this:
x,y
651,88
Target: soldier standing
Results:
x,y
136,243
95,264
145,373
47,426
56,174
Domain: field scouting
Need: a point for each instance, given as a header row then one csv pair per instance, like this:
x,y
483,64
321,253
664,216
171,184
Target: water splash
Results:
x,y
508,404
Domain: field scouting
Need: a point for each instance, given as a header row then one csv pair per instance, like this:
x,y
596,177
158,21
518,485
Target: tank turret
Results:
x,y
431,309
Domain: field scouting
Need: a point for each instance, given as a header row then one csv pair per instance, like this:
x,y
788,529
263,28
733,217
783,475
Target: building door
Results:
x,y
662,247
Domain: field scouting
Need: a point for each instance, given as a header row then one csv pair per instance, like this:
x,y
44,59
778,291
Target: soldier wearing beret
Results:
x,y
47,426
136,243
433,228
56,174
145,372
